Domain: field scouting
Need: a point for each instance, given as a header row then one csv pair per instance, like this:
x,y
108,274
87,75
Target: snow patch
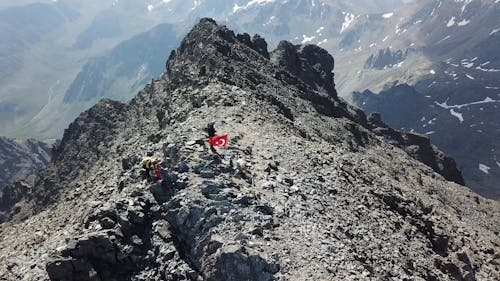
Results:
x,y
307,39
237,8
447,36
470,77
451,22
387,15
458,106
320,29
466,2
494,30
348,20
322,41
196,4
432,71
487,69
485,169
150,8
463,22
457,114
270,20
468,64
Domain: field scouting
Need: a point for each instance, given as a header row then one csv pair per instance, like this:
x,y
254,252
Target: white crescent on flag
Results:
x,y
221,142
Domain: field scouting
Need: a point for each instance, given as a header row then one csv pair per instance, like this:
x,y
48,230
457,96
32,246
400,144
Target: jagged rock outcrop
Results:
x,y
385,58
21,159
312,64
307,188
10,196
419,147
20,162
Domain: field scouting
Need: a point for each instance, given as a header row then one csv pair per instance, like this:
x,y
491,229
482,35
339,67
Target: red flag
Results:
x,y
218,141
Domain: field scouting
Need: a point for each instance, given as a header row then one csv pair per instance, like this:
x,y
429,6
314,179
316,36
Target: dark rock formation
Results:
x,y
410,104
385,58
21,159
307,188
20,162
419,147
310,63
9,197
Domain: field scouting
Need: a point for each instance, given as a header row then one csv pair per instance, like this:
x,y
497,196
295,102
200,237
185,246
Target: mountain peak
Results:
x,y
310,63
211,51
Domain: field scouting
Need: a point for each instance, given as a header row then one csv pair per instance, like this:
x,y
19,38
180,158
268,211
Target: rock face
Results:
x,y
20,162
308,188
21,159
419,147
309,63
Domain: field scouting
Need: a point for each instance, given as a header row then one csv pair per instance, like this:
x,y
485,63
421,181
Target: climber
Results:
x,y
151,169
214,140
210,129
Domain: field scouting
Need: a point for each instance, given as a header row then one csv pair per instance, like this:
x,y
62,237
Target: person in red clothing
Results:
x,y
151,169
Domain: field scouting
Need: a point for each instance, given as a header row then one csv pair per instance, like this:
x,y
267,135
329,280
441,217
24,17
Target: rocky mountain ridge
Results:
x,y
308,187
445,49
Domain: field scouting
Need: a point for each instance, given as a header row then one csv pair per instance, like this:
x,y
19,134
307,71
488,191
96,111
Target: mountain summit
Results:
x,y
308,187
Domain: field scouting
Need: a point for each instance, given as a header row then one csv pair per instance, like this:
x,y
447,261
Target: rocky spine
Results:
x,y
307,189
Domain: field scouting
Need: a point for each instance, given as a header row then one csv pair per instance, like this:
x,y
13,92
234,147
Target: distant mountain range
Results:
x,y
438,76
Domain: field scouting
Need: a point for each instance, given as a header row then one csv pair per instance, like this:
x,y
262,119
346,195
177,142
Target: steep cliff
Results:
x,y
20,162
